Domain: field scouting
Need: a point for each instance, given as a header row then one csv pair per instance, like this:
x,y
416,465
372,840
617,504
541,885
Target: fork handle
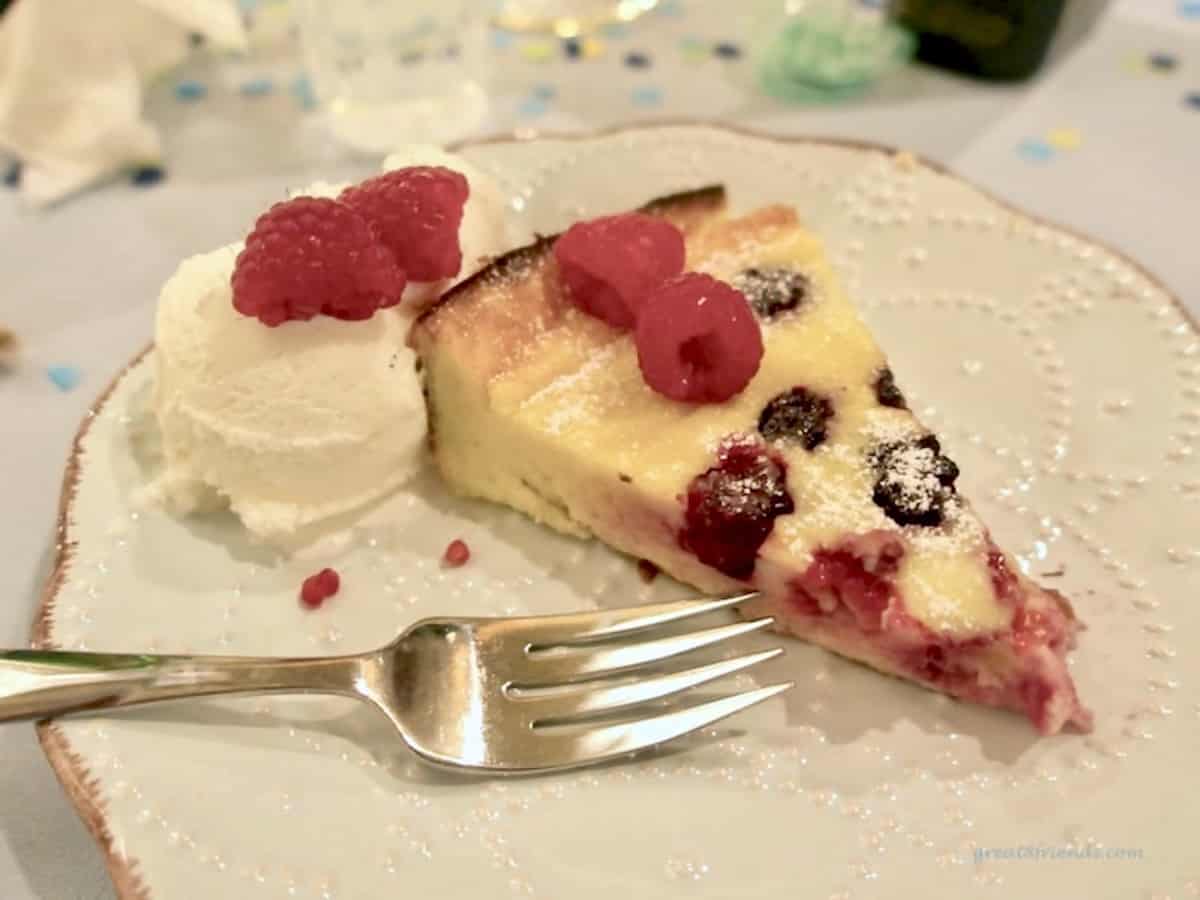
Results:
x,y
36,684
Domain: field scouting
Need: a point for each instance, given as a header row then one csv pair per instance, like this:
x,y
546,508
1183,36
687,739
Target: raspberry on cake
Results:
x,y
697,340
609,265
804,477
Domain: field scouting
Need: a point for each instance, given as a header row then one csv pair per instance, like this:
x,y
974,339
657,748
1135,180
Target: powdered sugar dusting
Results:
x,y
834,505
569,403
725,262
960,532
772,289
886,426
771,281
960,529
511,269
911,473
844,505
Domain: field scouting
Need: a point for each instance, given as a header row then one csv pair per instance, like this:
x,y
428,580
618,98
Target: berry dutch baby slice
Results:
x,y
813,483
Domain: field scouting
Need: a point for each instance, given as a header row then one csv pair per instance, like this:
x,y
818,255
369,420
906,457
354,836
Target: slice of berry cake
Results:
x,y
735,424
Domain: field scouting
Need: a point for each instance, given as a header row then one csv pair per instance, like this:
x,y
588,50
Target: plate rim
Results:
x,y
80,785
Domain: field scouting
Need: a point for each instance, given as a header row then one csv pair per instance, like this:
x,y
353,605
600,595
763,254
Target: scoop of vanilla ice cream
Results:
x,y
485,230
288,425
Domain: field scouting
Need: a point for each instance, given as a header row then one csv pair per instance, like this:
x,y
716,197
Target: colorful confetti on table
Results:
x,y
636,59
1160,62
1064,138
694,49
537,51
1035,150
1136,64
577,48
189,90
1193,99
145,176
538,102
727,50
593,48
301,88
256,87
532,108
1163,62
647,96
66,378
1189,9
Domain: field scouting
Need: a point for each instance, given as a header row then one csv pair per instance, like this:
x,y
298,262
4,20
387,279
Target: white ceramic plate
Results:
x,y
1064,380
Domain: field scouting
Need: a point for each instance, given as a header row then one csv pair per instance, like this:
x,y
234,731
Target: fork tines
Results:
x,y
593,683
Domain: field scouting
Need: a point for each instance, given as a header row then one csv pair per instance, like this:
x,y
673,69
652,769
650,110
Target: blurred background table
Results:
x,y
1105,139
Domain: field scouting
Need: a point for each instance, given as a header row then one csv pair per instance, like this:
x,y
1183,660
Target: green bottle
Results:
x,y
998,40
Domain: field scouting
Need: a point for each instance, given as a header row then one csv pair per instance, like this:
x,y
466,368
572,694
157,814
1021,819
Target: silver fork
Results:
x,y
517,695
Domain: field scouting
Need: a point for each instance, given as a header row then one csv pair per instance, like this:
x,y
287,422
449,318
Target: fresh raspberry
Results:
x,y
311,256
843,577
417,213
609,265
698,340
319,588
1034,628
1004,580
730,509
457,554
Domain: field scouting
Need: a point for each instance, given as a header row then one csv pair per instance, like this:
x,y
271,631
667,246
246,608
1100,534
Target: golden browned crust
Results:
x,y
513,260
689,209
724,234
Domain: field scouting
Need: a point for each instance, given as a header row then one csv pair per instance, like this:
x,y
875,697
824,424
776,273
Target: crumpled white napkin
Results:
x,y
72,74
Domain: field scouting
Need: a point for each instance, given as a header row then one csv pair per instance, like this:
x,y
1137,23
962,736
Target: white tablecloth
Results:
x,y
79,281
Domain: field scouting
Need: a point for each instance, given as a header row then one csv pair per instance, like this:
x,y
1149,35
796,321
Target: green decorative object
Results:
x,y
828,51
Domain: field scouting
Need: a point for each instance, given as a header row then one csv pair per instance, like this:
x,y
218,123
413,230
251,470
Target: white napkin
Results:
x,y
72,74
